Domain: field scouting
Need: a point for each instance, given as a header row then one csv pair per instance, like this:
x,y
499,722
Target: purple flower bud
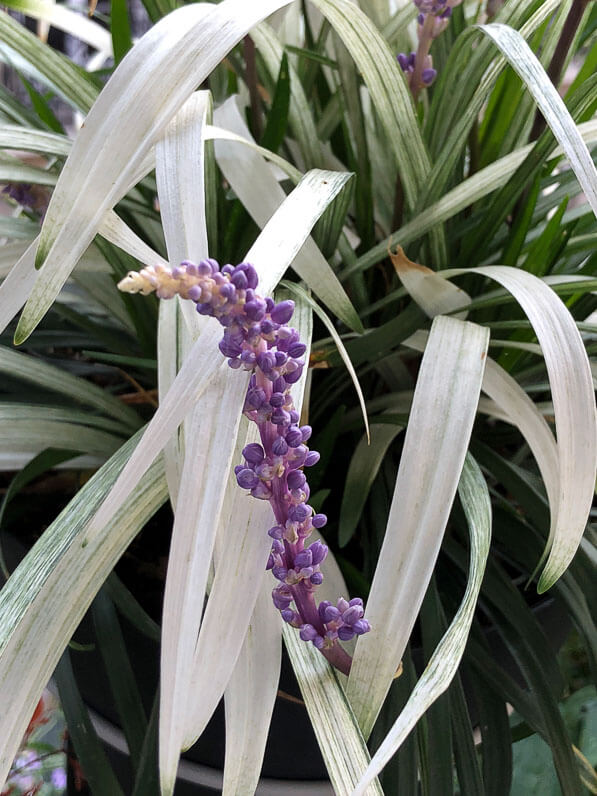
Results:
x,y
247,479
318,642
318,552
194,293
279,446
226,291
294,416
280,417
316,578
297,350
299,513
282,312
361,626
269,302
330,614
255,310
308,633
228,347
270,562
280,572
250,273
261,491
319,520
266,327
281,358
295,479
205,309
352,615
342,605
282,597
239,280
255,397
321,608
303,559
345,633
402,59
276,532
428,76
278,546
279,385
294,437
266,361
277,399
253,453
306,432
288,615
312,458
213,264
292,378
356,601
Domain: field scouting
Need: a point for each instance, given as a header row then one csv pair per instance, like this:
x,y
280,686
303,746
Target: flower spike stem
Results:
x,y
257,338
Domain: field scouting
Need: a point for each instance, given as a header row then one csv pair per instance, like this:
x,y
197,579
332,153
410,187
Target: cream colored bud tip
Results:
x,y
134,282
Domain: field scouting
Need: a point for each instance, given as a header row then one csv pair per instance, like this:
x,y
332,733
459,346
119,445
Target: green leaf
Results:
x,y
87,745
298,290
389,94
277,118
362,471
58,70
120,29
123,684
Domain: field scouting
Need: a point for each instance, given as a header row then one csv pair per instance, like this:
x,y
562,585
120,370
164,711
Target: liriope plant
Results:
x,y
327,149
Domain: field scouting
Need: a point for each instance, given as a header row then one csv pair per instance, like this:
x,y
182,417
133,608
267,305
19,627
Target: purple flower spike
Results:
x,y
257,339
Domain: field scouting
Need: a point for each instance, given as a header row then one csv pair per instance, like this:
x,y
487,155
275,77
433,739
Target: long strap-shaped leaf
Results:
x,y
204,461
51,589
250,697
59,16
390,95
257,188
569,468
555,112
343,747
144,93
574,410
445,660
441,420
240,557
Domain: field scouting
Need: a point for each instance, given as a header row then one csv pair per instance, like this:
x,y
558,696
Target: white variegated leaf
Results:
x,y
439,428
144,93
52,588
444,662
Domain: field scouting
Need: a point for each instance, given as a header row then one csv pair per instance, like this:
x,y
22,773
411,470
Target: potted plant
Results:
x,y
429,336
